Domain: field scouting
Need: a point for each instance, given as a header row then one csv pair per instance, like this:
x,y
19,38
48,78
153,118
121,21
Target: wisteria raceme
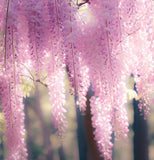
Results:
x,y
57,98
11,94
101,120
96,42
139,36
37,32
108,82
56,69
77,68
12,106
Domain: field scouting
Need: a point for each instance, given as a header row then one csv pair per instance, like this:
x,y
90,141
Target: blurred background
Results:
x,y
78,142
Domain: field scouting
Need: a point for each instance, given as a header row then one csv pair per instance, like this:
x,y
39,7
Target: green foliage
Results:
x,y
27,87
131,93
1,37
2,123
36,151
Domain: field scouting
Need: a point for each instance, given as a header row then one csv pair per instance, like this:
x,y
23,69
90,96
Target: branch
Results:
x,y
38,80
82,3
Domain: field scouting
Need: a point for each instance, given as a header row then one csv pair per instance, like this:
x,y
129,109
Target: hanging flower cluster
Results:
x,y
99,42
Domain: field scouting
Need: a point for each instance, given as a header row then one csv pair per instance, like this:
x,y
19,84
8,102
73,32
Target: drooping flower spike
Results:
x,y
99,42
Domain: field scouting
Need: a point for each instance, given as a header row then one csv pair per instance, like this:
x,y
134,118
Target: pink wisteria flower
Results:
x,y
99,42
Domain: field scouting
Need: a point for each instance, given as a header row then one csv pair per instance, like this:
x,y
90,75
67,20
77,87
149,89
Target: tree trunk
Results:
x,y
92,146
82,142
28,129
140,128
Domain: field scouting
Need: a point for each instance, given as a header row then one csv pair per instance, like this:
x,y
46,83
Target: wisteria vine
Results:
x,y
100,42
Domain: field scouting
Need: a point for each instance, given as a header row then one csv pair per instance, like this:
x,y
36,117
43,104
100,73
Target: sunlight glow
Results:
x,y
85,16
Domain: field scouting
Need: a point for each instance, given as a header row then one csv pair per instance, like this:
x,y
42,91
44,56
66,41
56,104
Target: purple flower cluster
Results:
x,y
99,42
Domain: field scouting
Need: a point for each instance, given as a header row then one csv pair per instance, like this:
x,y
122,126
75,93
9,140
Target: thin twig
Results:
x,y
28,70
7,12
38,80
